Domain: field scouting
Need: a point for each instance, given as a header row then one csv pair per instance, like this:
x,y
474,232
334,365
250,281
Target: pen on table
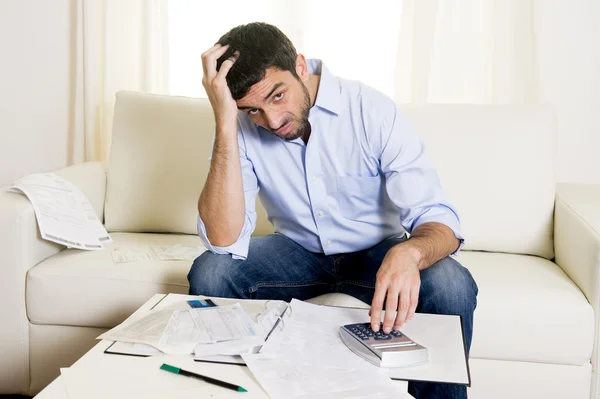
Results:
x,y
177,370
279,319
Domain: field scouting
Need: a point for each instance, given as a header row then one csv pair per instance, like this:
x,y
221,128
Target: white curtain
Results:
x,y
417,51
467,51
509,52
355,40
117,45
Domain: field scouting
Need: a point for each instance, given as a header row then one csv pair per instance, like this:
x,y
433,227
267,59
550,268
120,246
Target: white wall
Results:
x,y
568,42
34,86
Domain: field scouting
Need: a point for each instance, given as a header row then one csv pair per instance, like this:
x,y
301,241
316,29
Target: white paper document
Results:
x,y
310,361
178,332
204,355
144,330
63,213
123,254
224,323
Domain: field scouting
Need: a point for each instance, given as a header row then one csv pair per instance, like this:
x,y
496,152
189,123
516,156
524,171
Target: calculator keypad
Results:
x,y
364,332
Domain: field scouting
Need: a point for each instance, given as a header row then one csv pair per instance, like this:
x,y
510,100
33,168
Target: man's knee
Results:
x,y
447,287
214,275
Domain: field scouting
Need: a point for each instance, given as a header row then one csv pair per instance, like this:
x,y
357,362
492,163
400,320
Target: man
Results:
x,y
342,177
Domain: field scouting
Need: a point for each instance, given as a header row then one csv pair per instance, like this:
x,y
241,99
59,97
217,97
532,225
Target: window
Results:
x,y
355,39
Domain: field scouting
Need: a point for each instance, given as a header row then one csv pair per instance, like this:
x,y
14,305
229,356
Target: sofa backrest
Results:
x,y
497,166
158,164
495,162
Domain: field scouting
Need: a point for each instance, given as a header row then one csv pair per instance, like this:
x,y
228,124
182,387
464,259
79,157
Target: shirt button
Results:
x,y
321,213
314,179
329,243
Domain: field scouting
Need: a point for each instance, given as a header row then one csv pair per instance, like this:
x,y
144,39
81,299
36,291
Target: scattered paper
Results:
x,y
178,332
224,323
181,334
128,348
178,252
63,213
310,361
230,348
144,330
123,254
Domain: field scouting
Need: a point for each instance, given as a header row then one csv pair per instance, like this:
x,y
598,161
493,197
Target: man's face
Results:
x,y
279,103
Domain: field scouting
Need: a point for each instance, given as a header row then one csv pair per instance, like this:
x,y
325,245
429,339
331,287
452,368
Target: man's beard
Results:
x,y
303,119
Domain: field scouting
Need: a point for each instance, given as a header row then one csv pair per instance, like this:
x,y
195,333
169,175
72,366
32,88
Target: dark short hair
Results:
x,y
261,46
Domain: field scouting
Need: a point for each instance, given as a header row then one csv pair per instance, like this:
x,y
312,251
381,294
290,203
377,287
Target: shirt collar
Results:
x,y
328,94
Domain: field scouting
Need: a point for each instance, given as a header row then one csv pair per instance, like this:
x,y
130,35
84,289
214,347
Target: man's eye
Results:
x,y
278,96
253,112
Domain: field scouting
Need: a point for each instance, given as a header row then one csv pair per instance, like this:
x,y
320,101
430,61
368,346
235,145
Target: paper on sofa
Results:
x,y
63,213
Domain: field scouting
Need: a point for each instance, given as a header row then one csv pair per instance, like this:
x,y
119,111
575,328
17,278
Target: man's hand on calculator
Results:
x,y
398,282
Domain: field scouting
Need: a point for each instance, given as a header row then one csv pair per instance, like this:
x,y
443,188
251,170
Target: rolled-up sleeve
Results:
x,y
412,183
239,249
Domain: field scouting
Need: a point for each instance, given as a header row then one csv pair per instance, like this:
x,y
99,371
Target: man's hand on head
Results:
x,y
215,84
397,288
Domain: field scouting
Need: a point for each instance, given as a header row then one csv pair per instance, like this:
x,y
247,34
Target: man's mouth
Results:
x,y
285,129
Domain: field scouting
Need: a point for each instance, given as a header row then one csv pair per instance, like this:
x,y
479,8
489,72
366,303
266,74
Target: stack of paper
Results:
x,y
309,360
181,331
63,213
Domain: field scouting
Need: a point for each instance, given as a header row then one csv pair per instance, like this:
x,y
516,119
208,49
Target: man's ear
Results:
x,y
301,68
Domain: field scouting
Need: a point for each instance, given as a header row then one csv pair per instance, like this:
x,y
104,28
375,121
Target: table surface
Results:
x,y
239,373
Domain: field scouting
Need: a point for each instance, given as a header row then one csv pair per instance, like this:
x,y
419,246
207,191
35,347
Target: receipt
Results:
x,y
63,213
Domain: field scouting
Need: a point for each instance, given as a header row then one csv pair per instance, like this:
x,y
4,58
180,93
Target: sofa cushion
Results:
x,y
159,160
497,165
527,310
87,289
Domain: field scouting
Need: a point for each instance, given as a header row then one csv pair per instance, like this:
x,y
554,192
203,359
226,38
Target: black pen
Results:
x,y
177,370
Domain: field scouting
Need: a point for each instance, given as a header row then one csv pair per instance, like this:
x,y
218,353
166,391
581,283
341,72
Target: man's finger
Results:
x,y
209,61
210,50
377,304
205,54
403,306
414,299
226,66
391,304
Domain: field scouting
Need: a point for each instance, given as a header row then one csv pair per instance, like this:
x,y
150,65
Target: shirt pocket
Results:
x,y
358,197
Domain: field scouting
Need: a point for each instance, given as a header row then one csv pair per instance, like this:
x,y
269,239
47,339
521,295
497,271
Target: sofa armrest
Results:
x,y
22,249
577,248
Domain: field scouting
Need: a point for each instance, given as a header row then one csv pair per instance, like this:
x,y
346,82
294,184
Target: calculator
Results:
x,y
384,350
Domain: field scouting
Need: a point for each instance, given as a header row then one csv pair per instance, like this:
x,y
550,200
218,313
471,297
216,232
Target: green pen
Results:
x,y
177,370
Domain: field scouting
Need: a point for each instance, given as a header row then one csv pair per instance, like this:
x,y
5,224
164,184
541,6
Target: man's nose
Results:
x,y
274,119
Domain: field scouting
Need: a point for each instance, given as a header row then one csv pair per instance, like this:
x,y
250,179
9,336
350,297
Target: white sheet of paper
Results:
x,y
235,347
63,213
310,361
181,334
440,334
125,253
144,330
224,323
129,254
147,350
178,252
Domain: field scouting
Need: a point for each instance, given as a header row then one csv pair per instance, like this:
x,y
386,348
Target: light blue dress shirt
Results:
x,y
363,176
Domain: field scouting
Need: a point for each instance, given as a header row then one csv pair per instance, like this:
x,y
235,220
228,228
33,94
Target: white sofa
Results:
x,y
532,246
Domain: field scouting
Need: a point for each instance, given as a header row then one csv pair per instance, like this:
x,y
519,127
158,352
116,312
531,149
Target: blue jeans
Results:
x,y
279,268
